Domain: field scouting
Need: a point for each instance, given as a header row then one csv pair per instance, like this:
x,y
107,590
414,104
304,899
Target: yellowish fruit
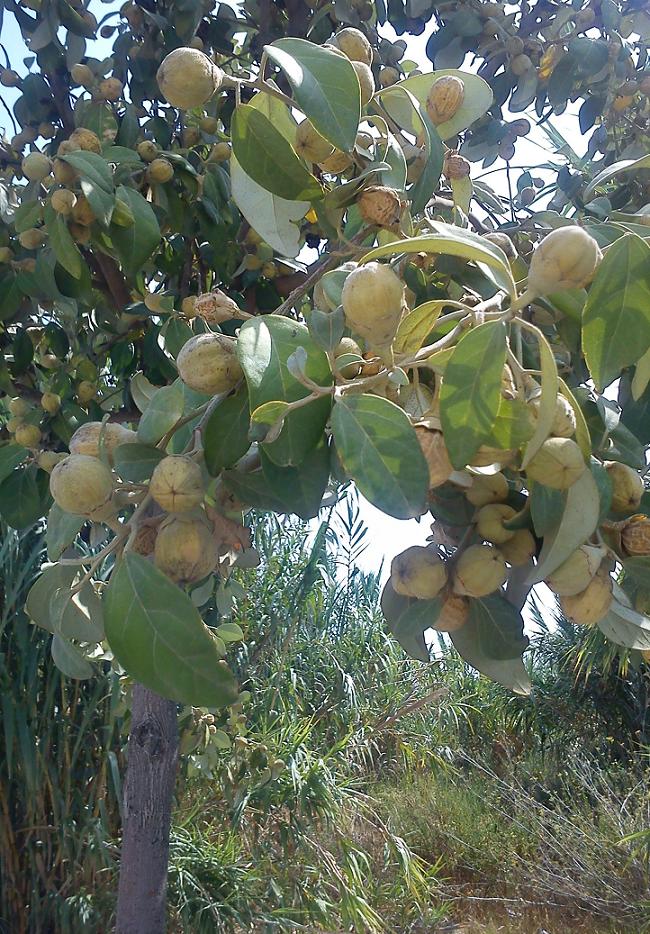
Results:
x,y
82,74
388,76
32,238
208,363
592,604
366,81
177,483
353,44
432,444
63,200
216,307
489,523
636,535
453,615
627,486
89,436
576,572
502,240
19,407
147,150
380,205
418,572
36,166
13,424
82,485
564,420
47,460
445,98
82,138
185,549
64,174
557,464
209,125
82,213
86,391
487,488
160,171
28,435
110,89
144,540
566,259
310,145
6,254
456,167
373,300
520,548
50,402
220,152
187,78
480,570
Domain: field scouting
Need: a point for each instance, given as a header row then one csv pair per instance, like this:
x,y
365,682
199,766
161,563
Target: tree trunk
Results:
x,y
148,795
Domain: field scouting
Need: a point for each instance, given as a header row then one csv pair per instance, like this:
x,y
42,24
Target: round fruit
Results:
x,y
520,64
453,615
50,402
18,407
502,240
82,74
576,572
435,453
185,549
160,171
36,166
310,145
348,346
627,486
220,152
82,138
216,307
592,604
354,45
636,535
455,167
480,570
13,424
144,540
187,78
489,522
32,238
373,298
209,125
63,200
81,485
445,98
487,488
418,572
110,89
86,391
566,259
366,81
520,548
557,464
86,439
388,76
28,435
380,205
208,363
82,213
47,460
177,483
564,420
147,150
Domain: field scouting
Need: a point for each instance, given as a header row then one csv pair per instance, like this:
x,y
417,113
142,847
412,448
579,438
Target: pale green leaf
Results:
x,y
164,410
548,399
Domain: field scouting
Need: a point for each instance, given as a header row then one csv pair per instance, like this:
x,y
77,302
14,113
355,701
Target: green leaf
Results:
x,y
275,219
253,489
70,660
509,672
548,399
61,531
264,346
408,619
415,327
638,570
299,489
471,390
230,632
583,438
24,497
64,248
546,508
162,413
626,627
96,182
135,243
579,521
11,455
325,87
626,165
266,157
498,627
454,241
326,327
135,462
512,426
378,448
225,435
50,606
158,636
616,319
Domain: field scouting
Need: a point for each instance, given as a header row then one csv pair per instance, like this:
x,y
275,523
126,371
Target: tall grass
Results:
x,y
59,773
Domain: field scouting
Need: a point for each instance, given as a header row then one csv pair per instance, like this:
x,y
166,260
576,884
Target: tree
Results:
x,y
170,360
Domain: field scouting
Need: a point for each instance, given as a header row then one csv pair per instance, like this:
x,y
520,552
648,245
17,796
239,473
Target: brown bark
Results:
x,y
148,796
